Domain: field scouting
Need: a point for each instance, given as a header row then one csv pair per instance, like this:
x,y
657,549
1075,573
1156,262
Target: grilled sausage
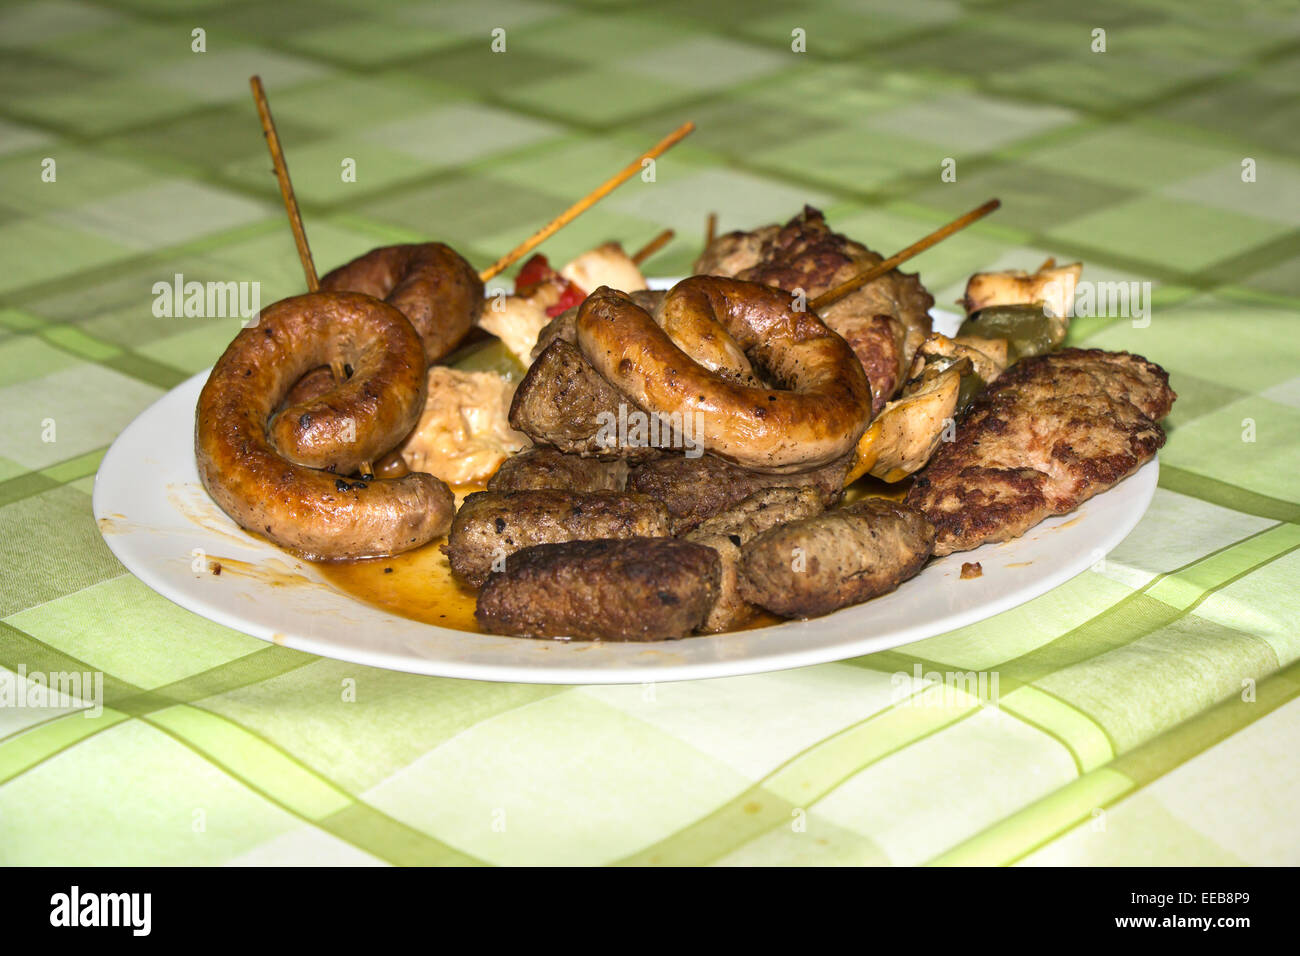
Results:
x,y
318,513
818,417
438,292
845,556
429,283
492,525
726,532
632,589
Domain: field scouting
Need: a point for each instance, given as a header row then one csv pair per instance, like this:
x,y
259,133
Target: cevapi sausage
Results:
x,y
624,589
817,416
816,565
318,513
491,525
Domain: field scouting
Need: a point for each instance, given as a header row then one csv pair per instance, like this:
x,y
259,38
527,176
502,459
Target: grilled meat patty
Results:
x,y
539,467
631,589
845,556
1049,434
492,525
727,531
694,489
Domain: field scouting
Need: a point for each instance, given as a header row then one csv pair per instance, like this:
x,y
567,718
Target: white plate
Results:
x,y
158,520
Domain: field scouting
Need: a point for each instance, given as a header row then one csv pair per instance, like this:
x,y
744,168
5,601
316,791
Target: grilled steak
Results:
x,y
694,489
815,565
1049,434
492,525
562,401
632,589
539,468
726,532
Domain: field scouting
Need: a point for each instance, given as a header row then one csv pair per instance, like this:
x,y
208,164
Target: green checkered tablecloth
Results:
x,y
1147,708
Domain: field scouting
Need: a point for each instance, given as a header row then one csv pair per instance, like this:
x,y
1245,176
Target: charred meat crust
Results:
x,y
538,468
493,525
632,589
694,489
1050,433
845,556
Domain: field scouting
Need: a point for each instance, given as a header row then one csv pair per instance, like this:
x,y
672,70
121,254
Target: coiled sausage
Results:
x,y
817,416
315,512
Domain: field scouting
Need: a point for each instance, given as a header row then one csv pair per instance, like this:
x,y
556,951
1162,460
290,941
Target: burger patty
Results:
x,y
630,589
1049,434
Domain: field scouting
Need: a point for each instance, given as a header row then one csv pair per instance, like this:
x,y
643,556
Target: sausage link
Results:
x,y
429,283
318,513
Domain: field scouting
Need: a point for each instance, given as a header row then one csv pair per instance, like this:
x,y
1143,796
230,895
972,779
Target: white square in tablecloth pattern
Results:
x,y
89,405
132,795
756,723
566,780
939,791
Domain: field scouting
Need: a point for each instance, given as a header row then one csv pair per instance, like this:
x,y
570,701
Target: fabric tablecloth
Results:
x,y
1147,708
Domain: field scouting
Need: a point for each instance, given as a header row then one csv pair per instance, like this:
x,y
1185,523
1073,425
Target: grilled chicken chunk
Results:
x,y
492,525
632,589
1049,434
842,557
539,468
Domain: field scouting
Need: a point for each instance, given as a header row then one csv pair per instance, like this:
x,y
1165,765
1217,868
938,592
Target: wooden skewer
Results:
x,y
653,246
290,202
582,205
286,186
876,271
711,228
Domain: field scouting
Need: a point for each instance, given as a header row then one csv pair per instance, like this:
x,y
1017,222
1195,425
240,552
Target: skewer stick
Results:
x,y
286,186
290,202
582,205
653,246
711,228
878,270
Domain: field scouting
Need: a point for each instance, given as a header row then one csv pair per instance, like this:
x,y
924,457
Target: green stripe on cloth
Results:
x,y
807,777
1076,803
39,743
1226,495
